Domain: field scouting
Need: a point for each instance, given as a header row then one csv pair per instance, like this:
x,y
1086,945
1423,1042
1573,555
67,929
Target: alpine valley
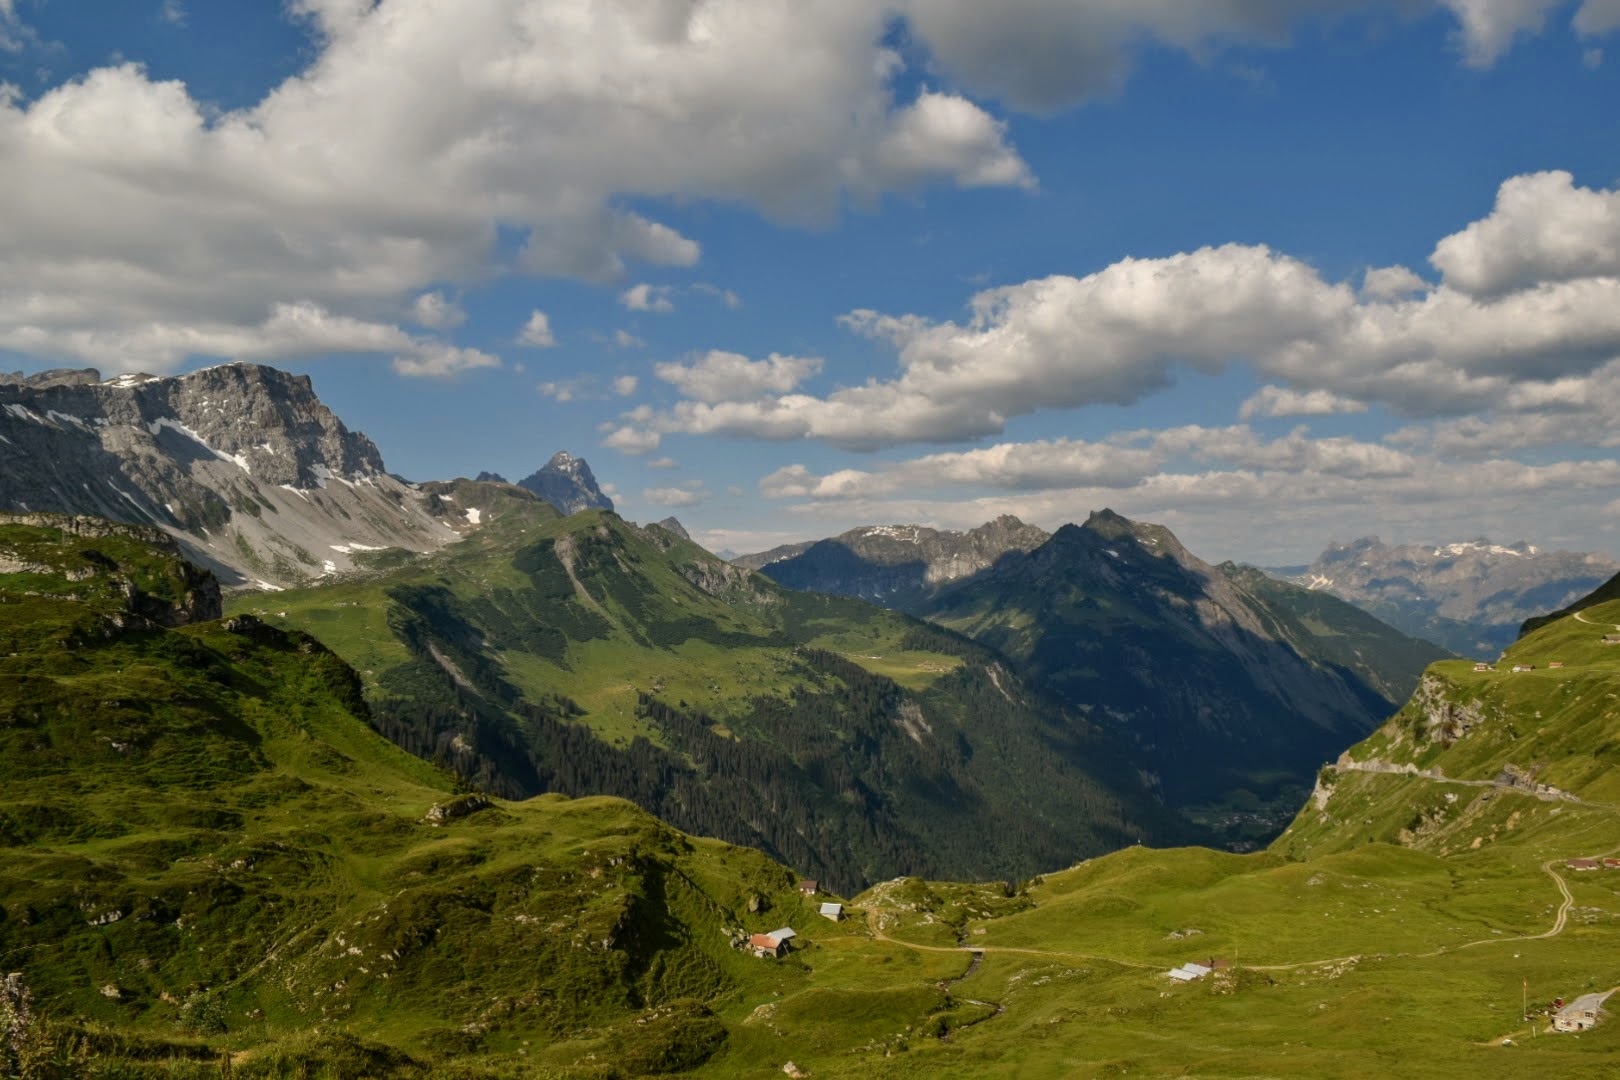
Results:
x,y
1228,687
309,771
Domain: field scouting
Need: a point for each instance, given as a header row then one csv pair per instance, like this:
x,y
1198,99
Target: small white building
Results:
x,y
835,912
1189,972
1582,1014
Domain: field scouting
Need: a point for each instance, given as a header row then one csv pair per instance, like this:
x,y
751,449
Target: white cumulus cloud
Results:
x,y
1391,283
1543,229
1281,401
439,360
730,377
1598,17
1131,329
646,297
537,332
436,312
420,132
674,496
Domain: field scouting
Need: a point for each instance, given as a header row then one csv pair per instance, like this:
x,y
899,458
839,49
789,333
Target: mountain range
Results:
x,y
586,655
1230,688
1470,597
212,864
1171,698
254,476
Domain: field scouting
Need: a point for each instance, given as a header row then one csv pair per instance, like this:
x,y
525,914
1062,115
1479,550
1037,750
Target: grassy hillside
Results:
x,y
1391,931
204,845
587,656
206,851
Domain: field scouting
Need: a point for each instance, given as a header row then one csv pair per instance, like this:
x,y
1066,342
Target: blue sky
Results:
x,y
807,267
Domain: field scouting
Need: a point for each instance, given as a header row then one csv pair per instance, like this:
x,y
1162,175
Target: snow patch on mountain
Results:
x,y
172,424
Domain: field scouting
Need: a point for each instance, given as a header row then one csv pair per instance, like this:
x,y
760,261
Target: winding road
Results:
x,y
1581,617
1564,909
1560,921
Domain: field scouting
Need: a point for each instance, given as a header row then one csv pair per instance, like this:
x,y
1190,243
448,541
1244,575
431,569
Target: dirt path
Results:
x,y
1564,909
1581,617
981,950
1560,921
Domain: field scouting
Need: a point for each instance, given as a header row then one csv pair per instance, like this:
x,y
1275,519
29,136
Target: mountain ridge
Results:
x,y
240,463
586,654
1112,615
1469,596
1120,618
898,566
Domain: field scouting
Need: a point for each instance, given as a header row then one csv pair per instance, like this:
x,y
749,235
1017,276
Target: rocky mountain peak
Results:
x,y
244,464
672,524
566,482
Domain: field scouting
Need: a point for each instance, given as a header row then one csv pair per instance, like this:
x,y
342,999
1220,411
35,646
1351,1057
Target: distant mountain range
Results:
x,y
1470,597
1231,687
213,861
898,566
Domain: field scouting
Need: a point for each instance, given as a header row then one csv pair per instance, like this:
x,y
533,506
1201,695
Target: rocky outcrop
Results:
x,y
567,483
1442,718
241,464
459,807
183,593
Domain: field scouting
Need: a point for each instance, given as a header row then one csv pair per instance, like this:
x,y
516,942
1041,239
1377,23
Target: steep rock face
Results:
x,y
1470,597
566,482
1218,687
242,464
898,566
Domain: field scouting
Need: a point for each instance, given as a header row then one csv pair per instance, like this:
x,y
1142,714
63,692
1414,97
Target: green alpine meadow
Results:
x,y
215,863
